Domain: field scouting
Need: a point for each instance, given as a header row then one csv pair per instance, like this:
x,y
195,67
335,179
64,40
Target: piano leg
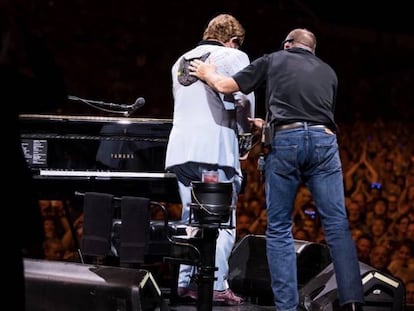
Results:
x,y
73,231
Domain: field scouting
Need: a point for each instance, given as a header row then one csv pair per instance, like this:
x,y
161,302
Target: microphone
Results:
x,y
130,109
138,103
261,166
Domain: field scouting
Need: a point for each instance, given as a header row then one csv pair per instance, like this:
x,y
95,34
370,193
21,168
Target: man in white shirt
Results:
x,y
204,136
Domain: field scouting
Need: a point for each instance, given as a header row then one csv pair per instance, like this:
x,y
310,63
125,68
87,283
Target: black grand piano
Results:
x,y
119,155
70,155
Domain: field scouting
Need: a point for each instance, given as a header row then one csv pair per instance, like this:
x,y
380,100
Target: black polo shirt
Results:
x,y
299,86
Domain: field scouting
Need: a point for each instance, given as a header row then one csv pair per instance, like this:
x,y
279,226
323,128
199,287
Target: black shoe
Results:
x,y
352,306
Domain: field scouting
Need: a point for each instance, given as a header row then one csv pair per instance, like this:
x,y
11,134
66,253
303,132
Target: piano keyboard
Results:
x,y
102,174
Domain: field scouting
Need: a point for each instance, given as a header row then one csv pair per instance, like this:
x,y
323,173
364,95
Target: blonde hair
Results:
x,y
223,28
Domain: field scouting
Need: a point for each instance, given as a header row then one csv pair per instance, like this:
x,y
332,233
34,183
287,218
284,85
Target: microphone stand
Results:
x,y
125,110
205,277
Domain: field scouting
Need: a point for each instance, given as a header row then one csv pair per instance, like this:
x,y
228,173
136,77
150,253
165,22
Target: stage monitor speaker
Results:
x,y
64,286
249,272
382,291
98,210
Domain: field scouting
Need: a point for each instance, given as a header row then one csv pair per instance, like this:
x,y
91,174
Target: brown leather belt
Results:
x,y
295,125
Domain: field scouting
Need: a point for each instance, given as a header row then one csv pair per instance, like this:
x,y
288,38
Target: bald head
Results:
x,y
301,37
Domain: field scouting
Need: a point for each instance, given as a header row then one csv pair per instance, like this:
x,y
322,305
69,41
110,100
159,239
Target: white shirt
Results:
x,y
203,122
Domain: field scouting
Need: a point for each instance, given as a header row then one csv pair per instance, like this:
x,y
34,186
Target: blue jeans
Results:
x,y
310,155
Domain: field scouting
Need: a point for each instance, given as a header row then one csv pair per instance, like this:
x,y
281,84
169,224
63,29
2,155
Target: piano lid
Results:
x,y
76,124
86,118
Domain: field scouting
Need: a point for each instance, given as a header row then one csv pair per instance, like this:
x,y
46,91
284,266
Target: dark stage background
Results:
x,y
116,51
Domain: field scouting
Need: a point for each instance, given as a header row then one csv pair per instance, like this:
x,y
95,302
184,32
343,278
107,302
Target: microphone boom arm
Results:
x,y
126,110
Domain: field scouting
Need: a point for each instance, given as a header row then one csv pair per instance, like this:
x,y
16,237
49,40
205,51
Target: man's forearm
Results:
x,y
207,73
221,83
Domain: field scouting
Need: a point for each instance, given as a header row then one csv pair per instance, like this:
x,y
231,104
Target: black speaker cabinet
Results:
x,y
249,272
382,291
64,286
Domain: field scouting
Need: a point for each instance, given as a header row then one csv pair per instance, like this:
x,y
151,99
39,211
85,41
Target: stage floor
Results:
x,y
189,305
244,307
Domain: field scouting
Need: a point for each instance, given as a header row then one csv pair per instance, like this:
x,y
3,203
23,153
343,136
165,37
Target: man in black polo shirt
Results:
x,y
300,99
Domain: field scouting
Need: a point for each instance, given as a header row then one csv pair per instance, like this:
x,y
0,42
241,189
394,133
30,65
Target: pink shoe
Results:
x,y
227,297
185,292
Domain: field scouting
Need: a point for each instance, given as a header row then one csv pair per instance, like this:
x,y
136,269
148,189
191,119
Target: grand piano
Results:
x,y
118,155
70,155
